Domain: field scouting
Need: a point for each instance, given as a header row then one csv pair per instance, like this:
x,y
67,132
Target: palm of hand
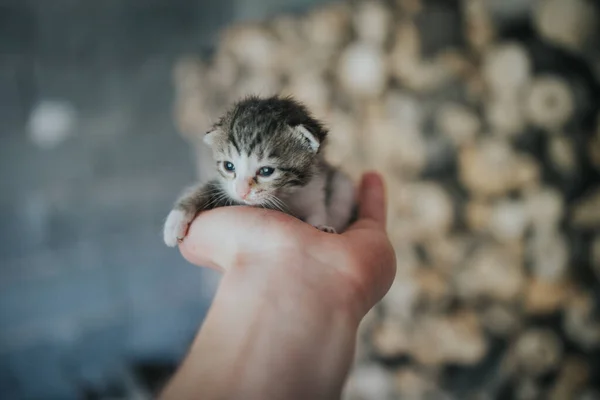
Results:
x,y
356,266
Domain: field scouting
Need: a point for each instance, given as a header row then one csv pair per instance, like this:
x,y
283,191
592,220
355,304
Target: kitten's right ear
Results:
x,y
307,135
209,137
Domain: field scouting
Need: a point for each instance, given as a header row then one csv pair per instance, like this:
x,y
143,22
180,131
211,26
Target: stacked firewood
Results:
x,y
485,121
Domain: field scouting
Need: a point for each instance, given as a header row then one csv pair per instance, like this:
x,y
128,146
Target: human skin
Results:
x,y
284,320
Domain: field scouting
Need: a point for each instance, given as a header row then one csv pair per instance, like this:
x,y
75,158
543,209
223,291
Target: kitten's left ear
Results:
x,y
313,142
209,137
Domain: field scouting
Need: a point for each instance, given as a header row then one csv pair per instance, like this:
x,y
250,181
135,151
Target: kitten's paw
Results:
x,y
176,227
326,228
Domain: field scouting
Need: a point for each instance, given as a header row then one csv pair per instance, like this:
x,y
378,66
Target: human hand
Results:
x,y
352,270
284,320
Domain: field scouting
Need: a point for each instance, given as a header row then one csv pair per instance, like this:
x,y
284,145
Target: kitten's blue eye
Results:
x,y
266,171
229,166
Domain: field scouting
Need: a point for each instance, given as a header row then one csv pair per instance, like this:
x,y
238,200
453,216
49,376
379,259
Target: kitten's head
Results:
x,y
266,147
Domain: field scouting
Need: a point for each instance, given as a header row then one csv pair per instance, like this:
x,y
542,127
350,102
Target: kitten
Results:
x,y
269,153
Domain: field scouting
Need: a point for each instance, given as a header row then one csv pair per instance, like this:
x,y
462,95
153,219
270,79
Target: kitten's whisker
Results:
x,y
269,204
214,200
217,199
282,206
265,203
213,197
275,203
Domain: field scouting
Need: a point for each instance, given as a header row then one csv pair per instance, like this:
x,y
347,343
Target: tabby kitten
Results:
x,y
268,153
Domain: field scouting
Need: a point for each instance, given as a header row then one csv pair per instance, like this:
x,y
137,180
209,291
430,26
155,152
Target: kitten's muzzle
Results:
x,y
243,189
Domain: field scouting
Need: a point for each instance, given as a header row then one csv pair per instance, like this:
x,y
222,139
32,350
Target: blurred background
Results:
x,y
90,164
482,114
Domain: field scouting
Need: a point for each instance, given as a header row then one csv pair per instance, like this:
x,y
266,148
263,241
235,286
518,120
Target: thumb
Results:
x,y
372,199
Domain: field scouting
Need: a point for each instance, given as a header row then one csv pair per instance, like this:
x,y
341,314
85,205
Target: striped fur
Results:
x,y
266,129
279,134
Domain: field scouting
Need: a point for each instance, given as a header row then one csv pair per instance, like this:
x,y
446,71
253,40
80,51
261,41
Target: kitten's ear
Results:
x,y
209,137
313,142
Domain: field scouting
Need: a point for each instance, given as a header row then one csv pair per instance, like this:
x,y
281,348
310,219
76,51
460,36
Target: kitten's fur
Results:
x,y
268,153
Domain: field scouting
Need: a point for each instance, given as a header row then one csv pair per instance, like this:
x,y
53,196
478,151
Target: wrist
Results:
x,y
291,274
283,332
274,339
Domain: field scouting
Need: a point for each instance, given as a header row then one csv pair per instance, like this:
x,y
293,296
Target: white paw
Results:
x,y
326,228
176,227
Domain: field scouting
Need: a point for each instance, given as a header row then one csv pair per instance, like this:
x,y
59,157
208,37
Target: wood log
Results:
x,y
404,109
328,26
399,303
505,115
456,338
310,87
537,351
435,292
410,7
573,376
478,215
394,148
545,207
478,27
192,115
426,212
491,168
253,46
508,220
390,339
447,254
550,103
501,320
595,256
411,70
549,255
343,138
413,383
568,23
580,322
506,69
585,213
491,272
363,71
372,21
543,297
562,155
223,72
594,148
369,381
459,123
260,84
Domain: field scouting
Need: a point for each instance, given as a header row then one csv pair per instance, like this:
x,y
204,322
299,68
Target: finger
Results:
x,y
372,207
220,237
210,238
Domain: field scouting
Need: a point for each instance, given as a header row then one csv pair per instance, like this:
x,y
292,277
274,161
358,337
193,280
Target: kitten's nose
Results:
x,y
243,189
